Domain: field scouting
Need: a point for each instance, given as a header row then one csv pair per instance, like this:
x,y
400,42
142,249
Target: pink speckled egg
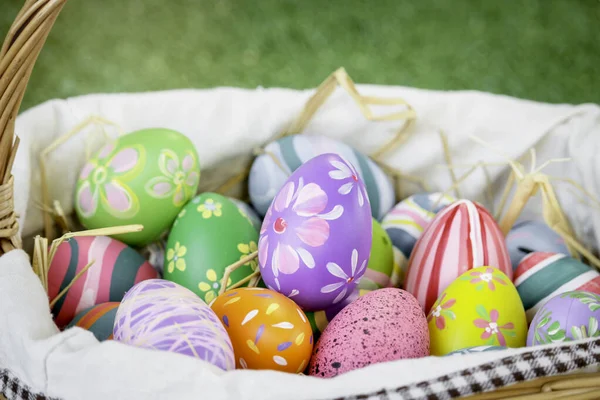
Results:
x,y
383,325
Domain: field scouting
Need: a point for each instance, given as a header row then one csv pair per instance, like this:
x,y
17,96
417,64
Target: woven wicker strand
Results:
x,y
19,52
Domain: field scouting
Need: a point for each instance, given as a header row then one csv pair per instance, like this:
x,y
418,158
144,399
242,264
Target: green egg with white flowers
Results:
x,y
209,234
144,177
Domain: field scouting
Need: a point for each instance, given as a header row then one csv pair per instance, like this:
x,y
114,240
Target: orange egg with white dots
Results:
x,y
267,329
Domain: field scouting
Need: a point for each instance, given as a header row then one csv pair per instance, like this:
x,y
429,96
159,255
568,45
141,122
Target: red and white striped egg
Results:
x,y
462,236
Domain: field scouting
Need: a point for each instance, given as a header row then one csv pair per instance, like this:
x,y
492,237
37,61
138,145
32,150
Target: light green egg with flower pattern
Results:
x,y
209,234
144,177
381,262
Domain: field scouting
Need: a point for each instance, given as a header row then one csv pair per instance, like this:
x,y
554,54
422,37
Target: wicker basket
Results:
x,y
17,58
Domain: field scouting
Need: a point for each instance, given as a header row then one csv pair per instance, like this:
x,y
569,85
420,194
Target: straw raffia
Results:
x,y
43,255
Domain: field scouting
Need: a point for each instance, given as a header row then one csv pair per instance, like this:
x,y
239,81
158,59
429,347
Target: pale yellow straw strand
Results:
x,y
66,289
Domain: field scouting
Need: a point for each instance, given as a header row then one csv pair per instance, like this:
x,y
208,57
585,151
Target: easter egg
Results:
x,y
541,276
117,267
281,158
267,329
569,316
383,325
144,177
530,236
315,240
462,236
399,268
99,320
248,212
155,254
381,263
480,308
406,222
209,234
320,319
162,315
477,349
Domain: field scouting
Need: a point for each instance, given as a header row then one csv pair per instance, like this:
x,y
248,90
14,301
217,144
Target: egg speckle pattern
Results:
x,y
383,325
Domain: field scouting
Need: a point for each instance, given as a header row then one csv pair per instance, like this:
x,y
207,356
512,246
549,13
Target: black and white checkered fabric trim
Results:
x,y
497,374
483,378
12,388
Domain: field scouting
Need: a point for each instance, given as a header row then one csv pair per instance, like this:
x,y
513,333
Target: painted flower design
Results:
x,y
585,332
491,328
246,249
308,202
103,182
440,311
592,300
210,208
212,286
178,180
175,258
487,278
546,330
347,283
347,172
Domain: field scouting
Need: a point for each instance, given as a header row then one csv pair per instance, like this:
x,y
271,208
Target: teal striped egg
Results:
x,y
476,349
99,320
541,276
271,170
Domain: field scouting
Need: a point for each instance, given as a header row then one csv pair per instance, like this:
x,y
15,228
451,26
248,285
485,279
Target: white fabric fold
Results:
x,y
225,124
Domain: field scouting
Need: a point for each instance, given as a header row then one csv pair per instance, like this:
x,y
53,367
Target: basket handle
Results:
x,y
18,55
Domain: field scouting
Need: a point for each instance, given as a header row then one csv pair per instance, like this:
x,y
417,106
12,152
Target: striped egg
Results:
x,y
117,267
406,222
270,170
248,212
529,236
399,268
99,320
462,236
541,276
477,349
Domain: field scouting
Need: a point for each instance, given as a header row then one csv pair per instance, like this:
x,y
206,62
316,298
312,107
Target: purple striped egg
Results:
x,y
162,315
315,240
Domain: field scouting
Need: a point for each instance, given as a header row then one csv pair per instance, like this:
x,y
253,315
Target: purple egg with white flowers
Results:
x,y
162,315
315,240
566,317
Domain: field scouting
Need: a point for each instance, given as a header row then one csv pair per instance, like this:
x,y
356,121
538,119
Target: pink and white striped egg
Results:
x,y
462,236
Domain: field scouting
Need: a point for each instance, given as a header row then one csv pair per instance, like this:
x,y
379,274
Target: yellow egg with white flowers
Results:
x,y
480,308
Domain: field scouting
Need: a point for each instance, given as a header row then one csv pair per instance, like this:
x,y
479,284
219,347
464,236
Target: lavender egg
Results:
x,y
315,240
530,236
566,317
162,315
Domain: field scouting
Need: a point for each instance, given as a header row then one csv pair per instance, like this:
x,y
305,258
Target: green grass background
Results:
x,y
546,50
